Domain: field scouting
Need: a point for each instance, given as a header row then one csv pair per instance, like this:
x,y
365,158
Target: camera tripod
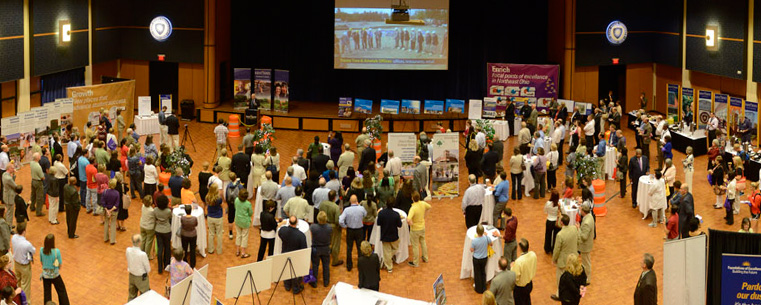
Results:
x,y
186,136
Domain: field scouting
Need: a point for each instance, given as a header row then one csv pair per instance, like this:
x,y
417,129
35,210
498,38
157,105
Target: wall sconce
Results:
x,y
712,32
64,32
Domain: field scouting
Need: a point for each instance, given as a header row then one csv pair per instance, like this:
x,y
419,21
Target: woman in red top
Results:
x,y
672,225
124,149
8,278
568,194
713,152
755,203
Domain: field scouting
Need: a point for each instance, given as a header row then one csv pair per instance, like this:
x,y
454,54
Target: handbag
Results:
x,y
272,167
126,201
309,278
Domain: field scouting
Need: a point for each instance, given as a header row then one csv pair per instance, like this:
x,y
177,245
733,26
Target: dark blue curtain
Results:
x,y
54,85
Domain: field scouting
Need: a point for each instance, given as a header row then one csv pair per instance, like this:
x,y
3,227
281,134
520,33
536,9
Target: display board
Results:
x,y
684,271
455,106
389,107
439,295
490,107
705,101
241,87
166,100
434,107
720,103
672,100
404,146
367,36
751,112
687,107
200,290
344,107
475,107
263,88
143,105
363,106
89,100
735,112
537,83
411,106
740,274
445,171
282,90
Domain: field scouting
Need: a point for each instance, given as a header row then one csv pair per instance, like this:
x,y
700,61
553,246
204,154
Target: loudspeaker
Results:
x,y
188,110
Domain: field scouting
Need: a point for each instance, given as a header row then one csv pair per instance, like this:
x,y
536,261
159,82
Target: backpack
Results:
x,y
232,191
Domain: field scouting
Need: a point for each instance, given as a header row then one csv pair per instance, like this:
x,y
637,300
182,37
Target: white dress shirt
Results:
x,y
299,172
394,166
23,251
4,160
481,139
151,174
137,261
556,136
589,129
474,195
59,170
713,124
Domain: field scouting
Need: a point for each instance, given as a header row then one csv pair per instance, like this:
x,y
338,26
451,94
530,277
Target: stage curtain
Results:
x,y
726,242
54,85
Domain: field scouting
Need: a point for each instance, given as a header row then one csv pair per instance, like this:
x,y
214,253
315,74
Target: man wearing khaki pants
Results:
x,y
332,210
586,239
566,243
416,220
23,257
389,222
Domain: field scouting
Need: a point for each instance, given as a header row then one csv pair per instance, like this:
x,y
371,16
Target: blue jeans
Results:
x,y
83,193
92,200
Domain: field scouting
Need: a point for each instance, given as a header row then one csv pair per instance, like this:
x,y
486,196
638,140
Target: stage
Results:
x,y
323,116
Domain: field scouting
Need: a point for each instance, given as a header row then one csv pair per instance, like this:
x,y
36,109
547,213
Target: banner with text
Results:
x,y
89,100
344,107
672,99
404,145
445,172
241,87
751,112
282,90
720,103
704,107
263,88
688,95
490,107
740,279
455,106
538,82
735,112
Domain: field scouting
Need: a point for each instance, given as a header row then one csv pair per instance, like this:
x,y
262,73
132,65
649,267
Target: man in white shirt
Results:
x,y
220,132
589,131
23,257
138,267
394,167
4,161
298,171
480,138
472,202
713,125
558,138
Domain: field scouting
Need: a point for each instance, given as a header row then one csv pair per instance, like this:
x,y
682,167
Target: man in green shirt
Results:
x,y
333,212
38,192
101,155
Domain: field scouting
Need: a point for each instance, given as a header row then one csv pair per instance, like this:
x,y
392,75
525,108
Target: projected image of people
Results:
x,y
371,38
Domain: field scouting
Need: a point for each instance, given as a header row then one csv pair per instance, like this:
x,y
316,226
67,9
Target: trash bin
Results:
x,y
188,110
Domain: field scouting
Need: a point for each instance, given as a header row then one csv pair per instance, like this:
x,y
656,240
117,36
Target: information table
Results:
x,y
492,264
403,252
303,227
200,228
610,162
680,141
487,208
646,183
146,125
570,208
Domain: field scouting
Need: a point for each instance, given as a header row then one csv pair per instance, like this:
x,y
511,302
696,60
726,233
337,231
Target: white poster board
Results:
x,y
236,278
301,260
67,105
168,104
144,105
200,292
684,271
474,109
568,104
403,145
179,291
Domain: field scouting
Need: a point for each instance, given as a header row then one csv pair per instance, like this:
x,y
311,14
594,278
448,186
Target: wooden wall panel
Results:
x,y
315,124
585,84
346,125
8,107
406,126
35,100
639,78
107,68
665,75
718,84
137,70
199,89
285,122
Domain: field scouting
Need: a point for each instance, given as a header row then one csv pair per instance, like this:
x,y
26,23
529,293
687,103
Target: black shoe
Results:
x,y
325,284
298,290
348,268
555,298
634,206
287,288
313,284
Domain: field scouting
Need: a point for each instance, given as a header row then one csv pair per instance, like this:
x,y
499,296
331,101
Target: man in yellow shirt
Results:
x,y
525,270
416,220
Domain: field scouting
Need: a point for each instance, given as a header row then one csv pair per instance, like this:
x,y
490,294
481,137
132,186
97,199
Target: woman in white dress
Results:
x,y
658,199
688,163
669,176
257,171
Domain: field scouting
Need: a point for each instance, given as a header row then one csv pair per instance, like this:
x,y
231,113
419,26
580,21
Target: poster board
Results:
x,y
200,290
263,88
404,146
735,113
261,272
684,271
474,109
282,92
705,102
301,260
538,82
455,106
166,101
569,104
672,100
143,105
389,107
751,112
490,107
439,295
88,100
738,272
687,106
411,106
445,171
434,107
363,106
344,107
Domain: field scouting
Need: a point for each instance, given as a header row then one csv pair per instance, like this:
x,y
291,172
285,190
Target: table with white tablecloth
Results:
x,y
646,183
150,297
259,206
403,252
610,162
487,208
501,131
492,264
571,208
303,227
528,179
145,125
200,228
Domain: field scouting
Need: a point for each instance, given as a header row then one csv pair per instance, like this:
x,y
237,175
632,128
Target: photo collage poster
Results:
x,y
445,169
263,88
389,107
704,107
687,106
672,100
241,88
536,83
281,93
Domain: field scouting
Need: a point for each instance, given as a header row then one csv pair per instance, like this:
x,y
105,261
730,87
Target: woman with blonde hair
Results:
x,y
669,175
215,218
516,173
688,168
257,171
473,159
488,298
572,281
368,265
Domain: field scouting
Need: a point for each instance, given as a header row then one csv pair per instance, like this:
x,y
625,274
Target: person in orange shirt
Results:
x,y
186,195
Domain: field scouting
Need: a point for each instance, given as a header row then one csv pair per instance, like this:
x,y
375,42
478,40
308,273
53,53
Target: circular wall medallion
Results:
x,y
616,32
161,28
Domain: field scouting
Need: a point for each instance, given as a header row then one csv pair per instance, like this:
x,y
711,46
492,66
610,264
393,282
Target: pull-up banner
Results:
x,y
740,276
673,97
537,83
89,100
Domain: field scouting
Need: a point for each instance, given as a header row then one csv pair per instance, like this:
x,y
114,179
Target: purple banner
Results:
x,y
538,82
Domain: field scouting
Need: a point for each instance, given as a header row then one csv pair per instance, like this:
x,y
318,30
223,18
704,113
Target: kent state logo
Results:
x,y
161,28
616,32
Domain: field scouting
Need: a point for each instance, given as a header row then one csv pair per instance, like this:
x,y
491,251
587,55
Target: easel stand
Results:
x,y
190,284
186,136
288,264
254,290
